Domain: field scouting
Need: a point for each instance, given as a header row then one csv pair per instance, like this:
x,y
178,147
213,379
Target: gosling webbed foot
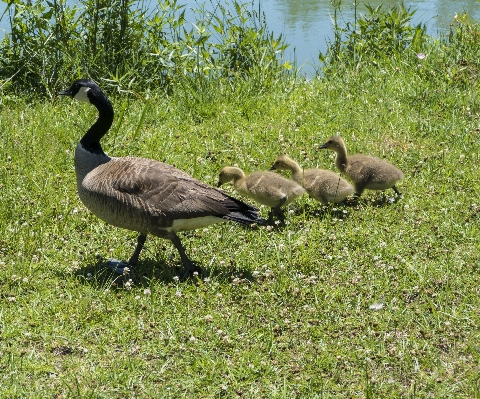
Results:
x,y
277,213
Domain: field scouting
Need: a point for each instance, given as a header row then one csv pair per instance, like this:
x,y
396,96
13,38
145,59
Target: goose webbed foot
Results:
x,y
122,267
119,266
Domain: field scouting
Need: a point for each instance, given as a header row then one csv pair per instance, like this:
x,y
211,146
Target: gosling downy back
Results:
x,y
323,185
266,188
144,195
366,172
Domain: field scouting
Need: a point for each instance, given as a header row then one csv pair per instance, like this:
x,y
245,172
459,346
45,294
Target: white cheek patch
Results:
x,y
82,95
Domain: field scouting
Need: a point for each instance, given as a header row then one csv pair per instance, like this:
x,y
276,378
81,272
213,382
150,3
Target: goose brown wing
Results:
x,y
166,190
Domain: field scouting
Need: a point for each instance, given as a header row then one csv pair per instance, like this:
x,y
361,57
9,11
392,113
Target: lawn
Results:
x,y
369,299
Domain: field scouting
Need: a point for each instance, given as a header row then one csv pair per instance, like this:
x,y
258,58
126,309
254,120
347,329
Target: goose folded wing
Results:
x,y
174,195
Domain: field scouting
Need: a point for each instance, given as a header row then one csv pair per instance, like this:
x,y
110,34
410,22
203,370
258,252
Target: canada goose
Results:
x,y
267,188
144,195
323,185
365,171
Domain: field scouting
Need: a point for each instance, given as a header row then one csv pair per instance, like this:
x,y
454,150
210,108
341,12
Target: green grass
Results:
x,y
280,313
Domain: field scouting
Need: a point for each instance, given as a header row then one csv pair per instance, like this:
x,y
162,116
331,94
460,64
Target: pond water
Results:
x,y
307,24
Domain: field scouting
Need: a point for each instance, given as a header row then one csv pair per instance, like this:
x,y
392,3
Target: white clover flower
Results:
x,y
146,291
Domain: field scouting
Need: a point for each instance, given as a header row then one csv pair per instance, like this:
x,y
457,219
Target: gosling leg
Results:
x,y
278,212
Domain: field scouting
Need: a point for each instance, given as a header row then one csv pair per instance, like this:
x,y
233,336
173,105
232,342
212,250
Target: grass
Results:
x,y
375,299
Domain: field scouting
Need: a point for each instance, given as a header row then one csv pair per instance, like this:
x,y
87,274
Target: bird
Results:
x,y
366,172
265,187
322,185
144,195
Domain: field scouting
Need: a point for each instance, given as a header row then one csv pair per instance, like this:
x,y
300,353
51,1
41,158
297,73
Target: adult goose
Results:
x,y
265,187
366,172
323,185
144,195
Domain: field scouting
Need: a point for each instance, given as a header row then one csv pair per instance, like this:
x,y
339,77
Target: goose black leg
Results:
x,y
397,192
186,262
140,241
118,266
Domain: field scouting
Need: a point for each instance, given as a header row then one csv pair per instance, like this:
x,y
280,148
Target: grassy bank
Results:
x,y
375,299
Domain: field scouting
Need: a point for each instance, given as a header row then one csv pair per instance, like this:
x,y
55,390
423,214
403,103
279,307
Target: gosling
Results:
x,y
266,188
366,172
322,185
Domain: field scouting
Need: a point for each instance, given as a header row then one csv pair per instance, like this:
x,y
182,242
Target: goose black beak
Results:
x,y
323,146
272,167
67,92
219,184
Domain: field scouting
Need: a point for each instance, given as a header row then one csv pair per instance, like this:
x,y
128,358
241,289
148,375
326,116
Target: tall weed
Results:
x,y
375,38
135,45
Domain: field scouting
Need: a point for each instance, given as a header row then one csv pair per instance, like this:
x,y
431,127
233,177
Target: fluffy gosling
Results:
x,y
266,188
322,185
366,172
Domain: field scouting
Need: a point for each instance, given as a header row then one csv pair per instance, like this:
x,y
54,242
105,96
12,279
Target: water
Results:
x,y
307,24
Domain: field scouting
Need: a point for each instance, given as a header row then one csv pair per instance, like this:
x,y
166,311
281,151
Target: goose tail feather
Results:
x,y
242,213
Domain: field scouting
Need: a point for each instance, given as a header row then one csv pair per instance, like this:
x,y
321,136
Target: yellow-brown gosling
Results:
x,y
366,172
144,195
266,188
323,185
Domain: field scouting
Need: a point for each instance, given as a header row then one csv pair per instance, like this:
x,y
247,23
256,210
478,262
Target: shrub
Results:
x,y
128,42
375,38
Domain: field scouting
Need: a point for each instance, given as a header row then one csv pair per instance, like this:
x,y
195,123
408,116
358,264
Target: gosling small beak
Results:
x,y
219,184
323,146
273,167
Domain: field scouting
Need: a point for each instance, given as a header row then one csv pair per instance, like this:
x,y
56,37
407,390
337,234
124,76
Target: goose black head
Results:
x,y
82,90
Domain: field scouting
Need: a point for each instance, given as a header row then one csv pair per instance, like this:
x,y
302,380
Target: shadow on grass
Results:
x,y
149,270
317,210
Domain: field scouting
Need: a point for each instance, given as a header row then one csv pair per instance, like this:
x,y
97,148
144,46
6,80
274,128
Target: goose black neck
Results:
x,y
91,140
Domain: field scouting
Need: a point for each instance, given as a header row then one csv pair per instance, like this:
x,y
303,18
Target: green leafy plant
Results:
x,y
138,46
376,38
